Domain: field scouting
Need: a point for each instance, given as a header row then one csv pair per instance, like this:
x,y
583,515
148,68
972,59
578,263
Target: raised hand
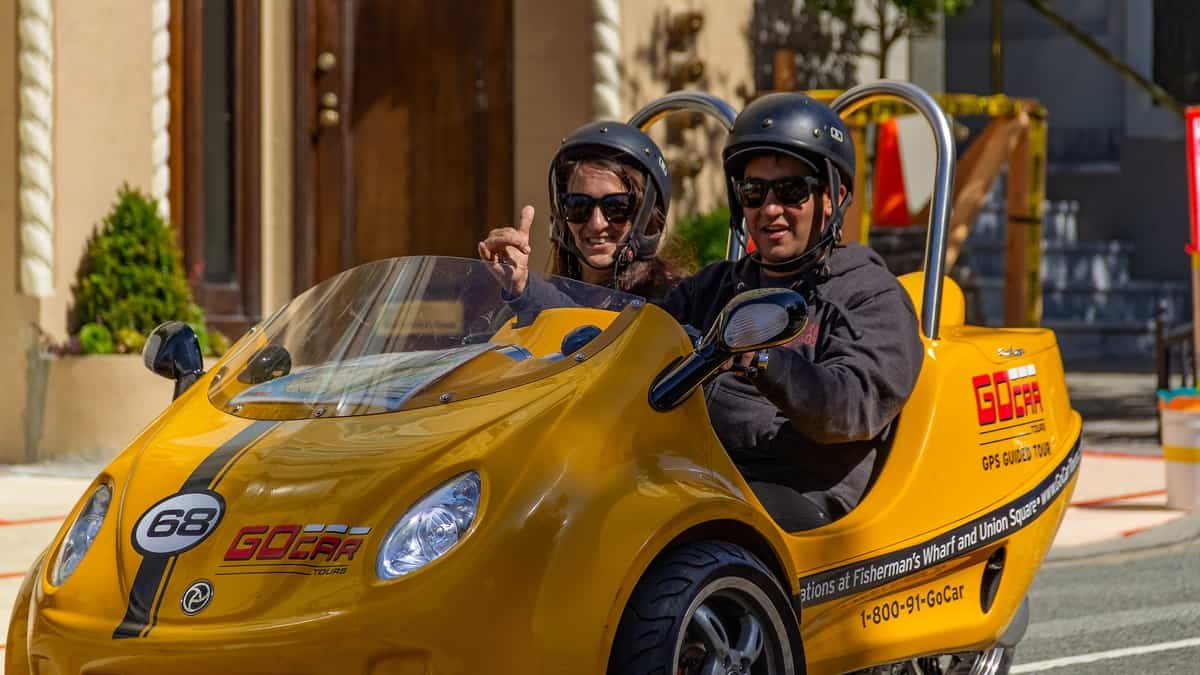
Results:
x,y
506,250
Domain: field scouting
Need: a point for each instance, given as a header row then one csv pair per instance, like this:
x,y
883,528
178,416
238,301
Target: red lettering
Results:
x,y
243,546
1004,408
1025,396
1036,397
985,403
269,552
1017,407
349,548
327,546
299,553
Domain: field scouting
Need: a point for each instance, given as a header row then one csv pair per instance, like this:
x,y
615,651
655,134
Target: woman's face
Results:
x,y
597,238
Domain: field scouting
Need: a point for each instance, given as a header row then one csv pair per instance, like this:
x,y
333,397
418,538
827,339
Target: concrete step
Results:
x,y
1060,219
1130,303
1102,264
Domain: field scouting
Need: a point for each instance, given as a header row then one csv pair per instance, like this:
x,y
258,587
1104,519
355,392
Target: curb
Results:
x,y
1185,528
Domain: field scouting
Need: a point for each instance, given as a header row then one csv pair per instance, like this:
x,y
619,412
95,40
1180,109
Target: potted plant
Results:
x,y
130,279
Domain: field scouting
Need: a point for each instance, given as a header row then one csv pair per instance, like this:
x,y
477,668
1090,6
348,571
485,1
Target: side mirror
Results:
x,y
173,351
267,364
753,320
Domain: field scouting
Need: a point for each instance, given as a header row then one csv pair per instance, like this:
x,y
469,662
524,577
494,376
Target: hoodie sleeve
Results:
x,y
856,385
539,294
678,302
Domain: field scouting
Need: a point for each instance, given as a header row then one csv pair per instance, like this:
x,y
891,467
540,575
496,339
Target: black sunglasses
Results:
x,y
618,207
789,190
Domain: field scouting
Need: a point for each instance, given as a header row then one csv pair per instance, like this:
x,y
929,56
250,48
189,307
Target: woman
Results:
x,y
609,194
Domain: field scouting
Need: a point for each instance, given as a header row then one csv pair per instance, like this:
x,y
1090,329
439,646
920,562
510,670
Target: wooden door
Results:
x,y
404,129
214,155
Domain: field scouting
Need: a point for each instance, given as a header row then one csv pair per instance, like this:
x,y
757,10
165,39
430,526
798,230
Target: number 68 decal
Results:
x,y
178,523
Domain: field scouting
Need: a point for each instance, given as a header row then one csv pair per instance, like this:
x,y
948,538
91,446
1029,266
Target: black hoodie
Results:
x,y
819,418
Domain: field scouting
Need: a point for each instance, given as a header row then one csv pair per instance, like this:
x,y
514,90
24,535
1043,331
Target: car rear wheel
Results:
x,y
707,608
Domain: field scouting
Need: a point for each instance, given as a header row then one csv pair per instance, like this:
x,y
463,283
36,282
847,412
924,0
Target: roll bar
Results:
x,y
846,105
678,101
693,101
943,182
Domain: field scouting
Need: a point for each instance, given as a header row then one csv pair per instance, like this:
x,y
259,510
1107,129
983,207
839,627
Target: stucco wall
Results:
x,y
552,85
102,138
277,147
722,46
16,310
729,73
102,131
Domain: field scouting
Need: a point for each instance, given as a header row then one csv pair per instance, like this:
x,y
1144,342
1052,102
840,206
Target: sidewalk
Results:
x,y
32,508
1121,490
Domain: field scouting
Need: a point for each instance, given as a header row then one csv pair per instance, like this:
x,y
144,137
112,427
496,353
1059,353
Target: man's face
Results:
x,y
782,231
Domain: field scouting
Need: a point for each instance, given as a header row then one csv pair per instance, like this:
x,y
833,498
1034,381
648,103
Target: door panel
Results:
x,y
214,158
406,123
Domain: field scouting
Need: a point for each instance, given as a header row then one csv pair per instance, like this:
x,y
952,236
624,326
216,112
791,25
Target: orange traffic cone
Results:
x,y
890,207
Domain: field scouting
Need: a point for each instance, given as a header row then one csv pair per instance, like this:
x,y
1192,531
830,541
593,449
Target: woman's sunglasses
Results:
x,y
618,207
790,190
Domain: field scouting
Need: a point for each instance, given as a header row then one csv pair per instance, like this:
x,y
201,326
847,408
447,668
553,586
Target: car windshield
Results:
x,y
409,332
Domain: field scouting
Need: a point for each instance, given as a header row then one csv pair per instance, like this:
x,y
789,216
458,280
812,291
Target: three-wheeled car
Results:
x,y
396,474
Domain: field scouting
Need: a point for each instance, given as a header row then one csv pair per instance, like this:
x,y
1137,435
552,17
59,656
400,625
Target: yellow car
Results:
x,y
395,474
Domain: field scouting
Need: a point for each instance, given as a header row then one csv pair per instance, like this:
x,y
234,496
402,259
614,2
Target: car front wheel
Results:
x,y
707,608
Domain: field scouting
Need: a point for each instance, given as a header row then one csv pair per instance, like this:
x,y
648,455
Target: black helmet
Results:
x,y
799,126
626,144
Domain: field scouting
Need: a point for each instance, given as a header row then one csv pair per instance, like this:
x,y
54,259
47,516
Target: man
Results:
x,y
807,423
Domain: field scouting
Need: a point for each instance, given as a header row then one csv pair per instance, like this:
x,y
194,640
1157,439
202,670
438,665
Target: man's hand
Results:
x,y
506,250
739,363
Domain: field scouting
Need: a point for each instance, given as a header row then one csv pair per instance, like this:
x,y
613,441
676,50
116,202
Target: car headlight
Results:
x,y
81,534
430,528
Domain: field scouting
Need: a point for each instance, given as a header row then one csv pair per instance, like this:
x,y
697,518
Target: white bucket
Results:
x,y
1181,455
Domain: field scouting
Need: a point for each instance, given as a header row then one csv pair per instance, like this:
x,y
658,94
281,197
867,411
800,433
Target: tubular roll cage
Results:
x,y
847,105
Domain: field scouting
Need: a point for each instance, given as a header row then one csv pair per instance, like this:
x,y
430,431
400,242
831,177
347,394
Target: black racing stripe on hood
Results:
x,y
141,597
141,613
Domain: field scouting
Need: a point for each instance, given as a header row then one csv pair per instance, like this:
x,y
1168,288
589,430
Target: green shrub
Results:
x,y
707,233
131,278
129,341
94,338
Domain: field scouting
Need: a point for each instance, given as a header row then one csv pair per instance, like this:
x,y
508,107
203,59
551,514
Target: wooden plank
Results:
x,y
1022,239
785,70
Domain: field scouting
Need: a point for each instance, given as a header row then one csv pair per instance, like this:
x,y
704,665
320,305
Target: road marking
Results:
x,y
1039,666
31,521
1102,501
1104,454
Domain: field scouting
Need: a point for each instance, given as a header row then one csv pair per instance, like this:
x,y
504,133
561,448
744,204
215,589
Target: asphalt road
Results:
x,y
1136,612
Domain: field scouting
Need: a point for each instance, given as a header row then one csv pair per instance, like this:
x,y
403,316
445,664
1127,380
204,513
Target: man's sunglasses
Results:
x,y
618,207
790,190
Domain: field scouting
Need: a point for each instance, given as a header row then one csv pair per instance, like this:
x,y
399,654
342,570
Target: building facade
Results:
x,y
287,141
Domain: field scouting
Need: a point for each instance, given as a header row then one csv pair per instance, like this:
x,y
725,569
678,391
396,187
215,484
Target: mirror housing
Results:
x,y
173,351
756,319
267,364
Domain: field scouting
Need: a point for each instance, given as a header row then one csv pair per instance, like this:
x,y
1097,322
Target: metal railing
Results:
x,y
1170,342
1173,345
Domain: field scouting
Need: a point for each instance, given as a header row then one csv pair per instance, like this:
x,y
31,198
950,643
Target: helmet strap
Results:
x,y
635,245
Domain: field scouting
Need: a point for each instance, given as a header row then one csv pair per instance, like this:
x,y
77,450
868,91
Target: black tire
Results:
x,y
690,595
